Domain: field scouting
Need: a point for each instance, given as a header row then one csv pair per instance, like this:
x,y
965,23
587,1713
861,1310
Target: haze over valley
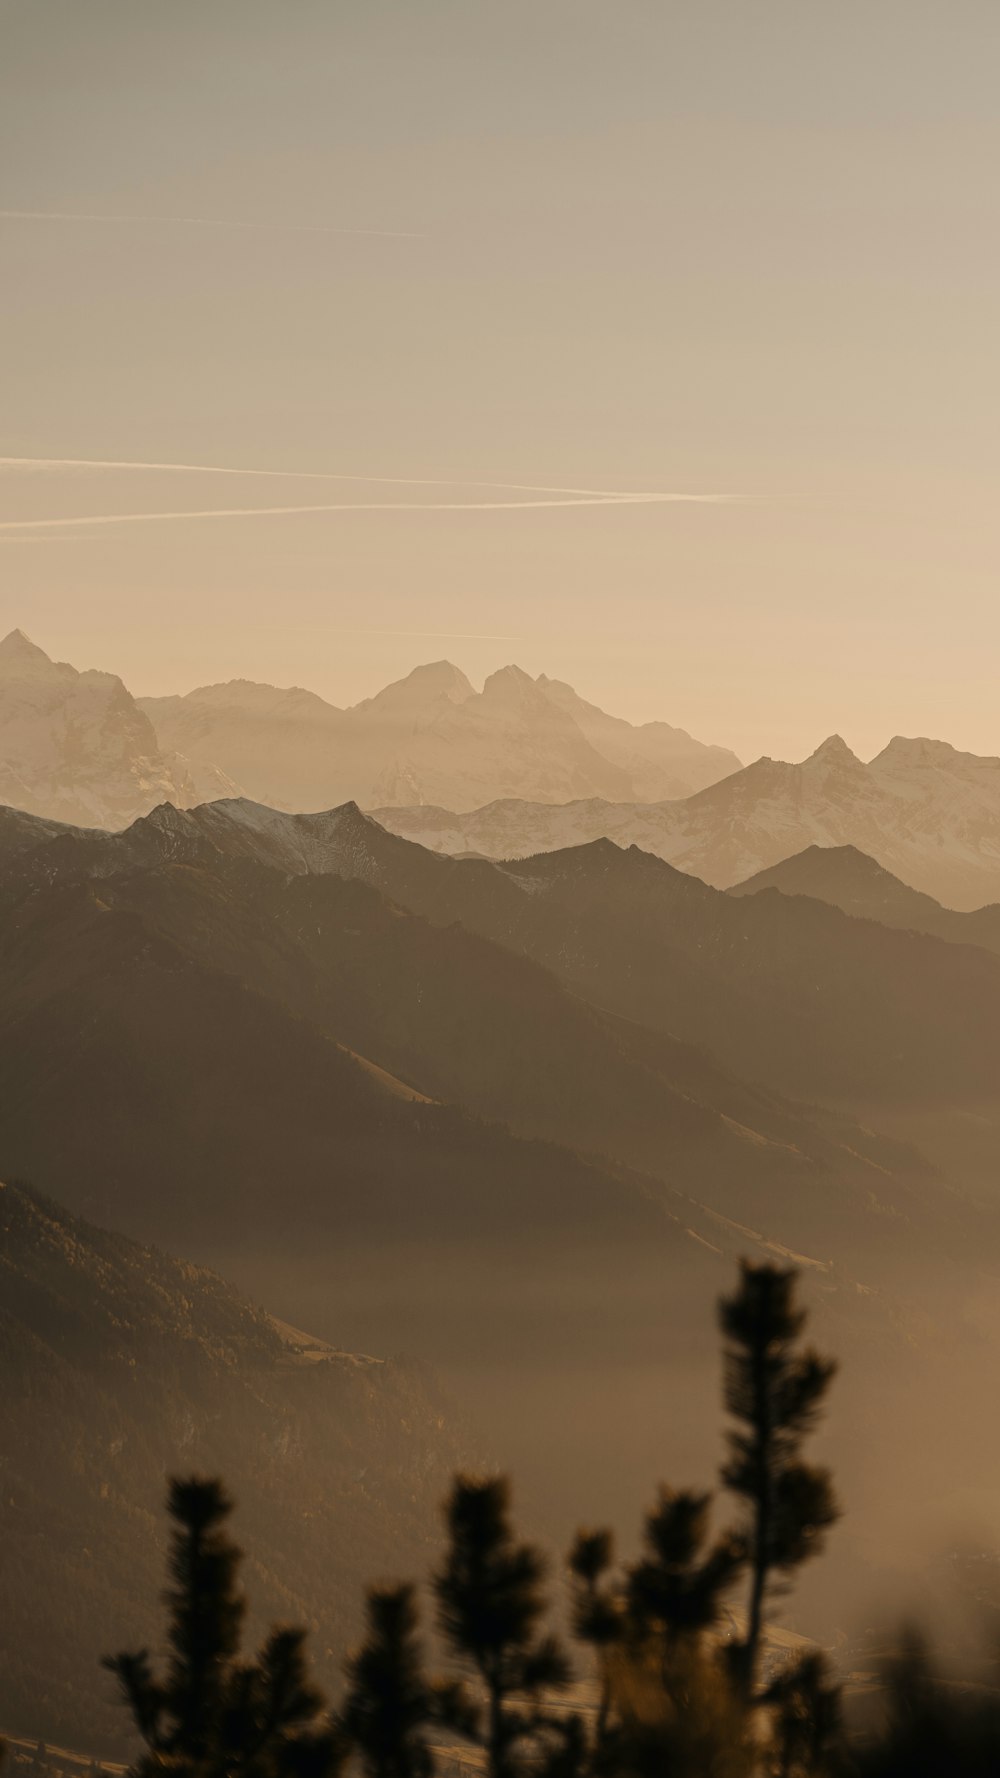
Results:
x,y
499,890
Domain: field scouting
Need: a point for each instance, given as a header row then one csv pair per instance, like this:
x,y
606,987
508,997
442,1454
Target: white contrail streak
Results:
x,y
322,475
543,496
267,512
294,228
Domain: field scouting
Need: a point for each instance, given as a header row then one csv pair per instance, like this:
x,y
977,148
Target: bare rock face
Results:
x,y
75,746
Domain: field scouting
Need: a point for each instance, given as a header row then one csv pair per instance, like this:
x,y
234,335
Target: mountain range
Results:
x,y
77,747
431,737
516,1118
922,810
785,991
522,767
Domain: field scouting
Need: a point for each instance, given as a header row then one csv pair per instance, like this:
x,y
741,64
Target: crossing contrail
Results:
x,y
267,512
541,496
323,475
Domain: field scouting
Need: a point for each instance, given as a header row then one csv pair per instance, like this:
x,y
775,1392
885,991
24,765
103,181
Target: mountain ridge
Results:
x,y
925,811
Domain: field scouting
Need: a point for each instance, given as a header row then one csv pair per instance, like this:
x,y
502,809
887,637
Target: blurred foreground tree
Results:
x,y
215,1715
674,1698
932,1729
390,1703
490,1605
774,1392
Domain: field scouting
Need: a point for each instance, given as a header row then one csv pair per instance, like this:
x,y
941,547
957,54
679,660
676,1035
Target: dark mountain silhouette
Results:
x,y
351,1072
196,1112
118,1364
850,880
787,992
454,1018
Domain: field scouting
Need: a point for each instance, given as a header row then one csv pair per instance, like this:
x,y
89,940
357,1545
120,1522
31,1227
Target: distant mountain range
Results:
x,y
430,738
121,1365
922,810
522,767
77,747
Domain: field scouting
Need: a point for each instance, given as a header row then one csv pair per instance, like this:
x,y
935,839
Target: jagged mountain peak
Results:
x,y
423,687
833,751
20,656
17,643
508,681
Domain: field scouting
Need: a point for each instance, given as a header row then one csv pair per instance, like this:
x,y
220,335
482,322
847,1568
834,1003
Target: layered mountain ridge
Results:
x,y
430,736
924,811
518,1118
77,747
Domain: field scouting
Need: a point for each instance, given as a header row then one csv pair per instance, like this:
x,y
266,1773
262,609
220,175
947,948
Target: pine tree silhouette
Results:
x,y
676,1591
598,1614
774,1393
214,1715
390,1702
490,1603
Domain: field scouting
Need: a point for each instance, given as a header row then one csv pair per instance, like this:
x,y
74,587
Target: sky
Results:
x,y
463,253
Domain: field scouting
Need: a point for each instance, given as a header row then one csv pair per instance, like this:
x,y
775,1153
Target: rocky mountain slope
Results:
x,y
75,746
121,1365
431,738
922,810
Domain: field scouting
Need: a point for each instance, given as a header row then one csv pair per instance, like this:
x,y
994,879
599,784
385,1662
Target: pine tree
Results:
x,y
598,1615
214,1716
676,1591
490,1604
774,1393
390,1702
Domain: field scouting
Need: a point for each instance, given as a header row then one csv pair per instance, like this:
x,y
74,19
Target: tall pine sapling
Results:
x,y
490,1606
774,1393
390,1703
598,1616
213,1713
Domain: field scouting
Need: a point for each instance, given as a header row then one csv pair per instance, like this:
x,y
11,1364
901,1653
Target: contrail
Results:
x,y
294,228
266,512
322,475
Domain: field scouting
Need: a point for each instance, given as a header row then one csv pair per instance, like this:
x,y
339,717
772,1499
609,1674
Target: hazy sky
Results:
x,y
642,246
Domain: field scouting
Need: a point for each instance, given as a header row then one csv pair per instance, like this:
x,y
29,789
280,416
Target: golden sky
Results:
x,y
639,246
